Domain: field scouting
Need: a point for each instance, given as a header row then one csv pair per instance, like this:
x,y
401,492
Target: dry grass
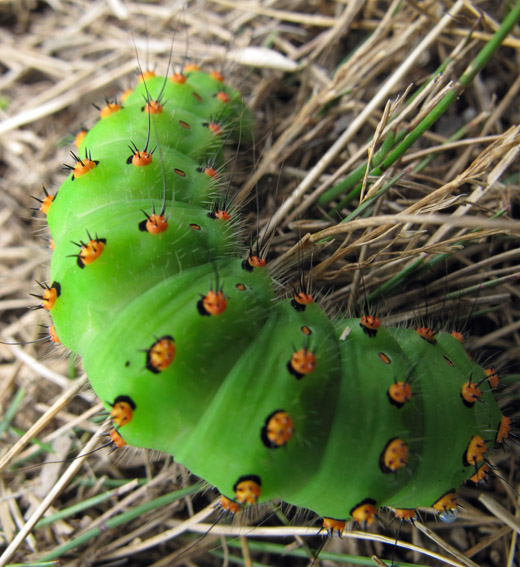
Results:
x,y
317,113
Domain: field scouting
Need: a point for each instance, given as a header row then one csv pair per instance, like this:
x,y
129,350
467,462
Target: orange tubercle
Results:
x,y
213,303
223,97
178,78
191,67
458,335
122,410
475,451
427,334
145,75
334,526
46,204
492,377
91,251
399,393
470,393
108,109
211,171
253,262
222,215
256,261
229,505
142,158
278,429
300,300
153,107
247,489
80,136
116,438
215,128
503,429
154,224
83,166
303,298
161,354
370,324
302,362
365,512
405,514
447,502
50,296
53,336
481,474
217,75
394,456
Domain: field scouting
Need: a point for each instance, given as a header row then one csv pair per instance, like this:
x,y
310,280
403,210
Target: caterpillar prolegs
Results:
x,y
187,345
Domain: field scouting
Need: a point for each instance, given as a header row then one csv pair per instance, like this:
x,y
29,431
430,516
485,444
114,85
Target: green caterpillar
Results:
x,y
188,346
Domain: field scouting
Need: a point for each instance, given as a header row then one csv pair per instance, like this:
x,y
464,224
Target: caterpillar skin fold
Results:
x,y
188,346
